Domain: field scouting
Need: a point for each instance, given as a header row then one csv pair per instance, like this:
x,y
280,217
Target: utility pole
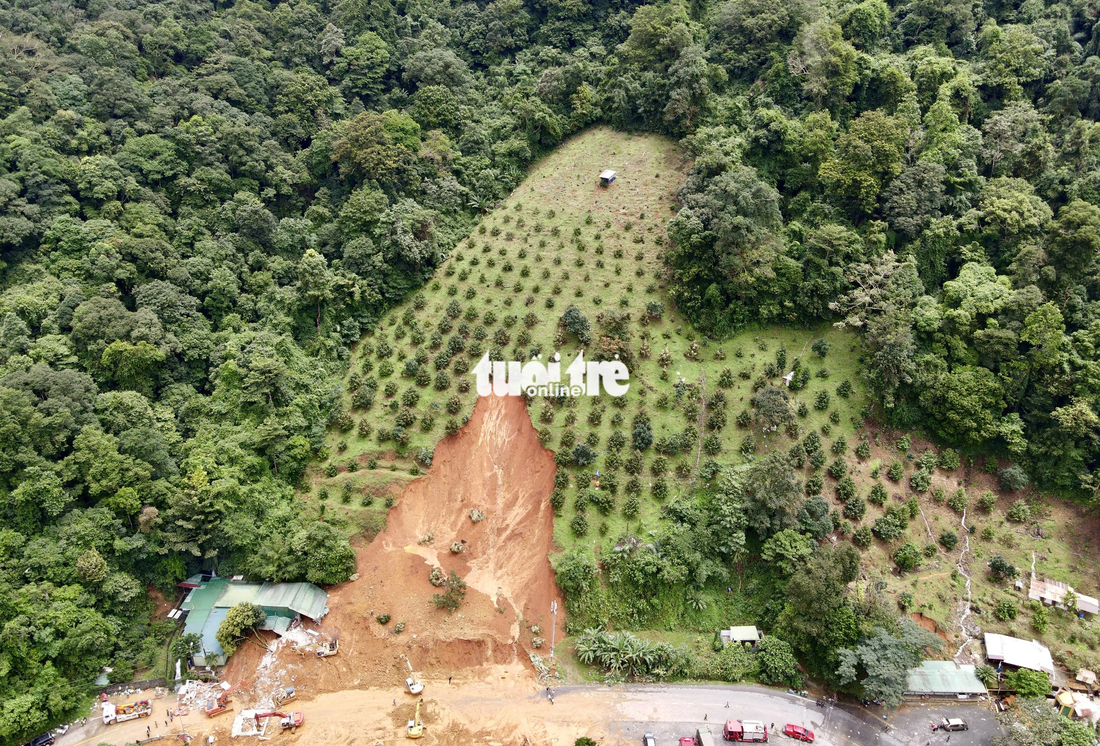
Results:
x,y
553,626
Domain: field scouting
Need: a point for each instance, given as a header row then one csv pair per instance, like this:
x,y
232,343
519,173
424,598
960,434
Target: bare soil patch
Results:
x,y
497,465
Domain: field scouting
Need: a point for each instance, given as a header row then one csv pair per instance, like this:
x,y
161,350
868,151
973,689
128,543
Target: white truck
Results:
x,y
113,713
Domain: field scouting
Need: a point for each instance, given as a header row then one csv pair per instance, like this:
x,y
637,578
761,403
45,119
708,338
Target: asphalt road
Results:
x,y
669,712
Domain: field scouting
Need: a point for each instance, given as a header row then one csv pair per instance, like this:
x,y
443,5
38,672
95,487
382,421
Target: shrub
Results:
x,y
878,494
579,525
1028,683
958,500
557,501
821,347
949,539
949,459
451,598
987,501
1040,617
1012,478
908,556
778,664
815,484
818,459
838,469
889,527
862,536
855,508
1002,569
895,472
1006,610
1020,512
383,618
863,450
821,402
920,480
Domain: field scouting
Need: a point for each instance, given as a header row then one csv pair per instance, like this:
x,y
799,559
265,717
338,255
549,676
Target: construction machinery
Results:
x,y
216,706
416,728
283,696
287,721
329,648
414,686
113,713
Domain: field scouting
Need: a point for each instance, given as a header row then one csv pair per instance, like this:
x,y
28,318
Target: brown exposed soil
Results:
x,y
161,605
497,465
928,624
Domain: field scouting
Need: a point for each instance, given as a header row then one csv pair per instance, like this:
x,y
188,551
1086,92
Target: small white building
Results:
x,y
742,635
606,177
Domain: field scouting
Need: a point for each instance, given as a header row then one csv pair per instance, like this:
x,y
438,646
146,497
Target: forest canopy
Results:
x,y
204,205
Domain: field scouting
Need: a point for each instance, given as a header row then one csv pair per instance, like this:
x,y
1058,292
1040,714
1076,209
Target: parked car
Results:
x,y
414,686
687,741
798,733
44,740
954,724
649,740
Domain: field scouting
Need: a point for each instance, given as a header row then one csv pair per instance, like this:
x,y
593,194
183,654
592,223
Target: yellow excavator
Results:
x,y
416,728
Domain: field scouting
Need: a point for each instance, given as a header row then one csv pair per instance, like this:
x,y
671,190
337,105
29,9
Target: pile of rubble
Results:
x,y
193,695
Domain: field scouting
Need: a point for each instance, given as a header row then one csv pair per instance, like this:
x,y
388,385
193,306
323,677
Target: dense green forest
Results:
x,y
205,204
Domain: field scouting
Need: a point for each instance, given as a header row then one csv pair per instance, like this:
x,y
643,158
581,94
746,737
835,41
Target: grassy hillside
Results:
x,y
559,241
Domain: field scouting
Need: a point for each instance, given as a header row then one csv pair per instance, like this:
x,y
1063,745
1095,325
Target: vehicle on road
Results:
x,y
113,713
798,733
748,731
703,737
954,724
687,741
414,686
46,739
649,740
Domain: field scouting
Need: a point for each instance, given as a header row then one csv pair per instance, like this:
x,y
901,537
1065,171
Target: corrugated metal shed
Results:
x,y
945,679
304,598
1053,592
1018,653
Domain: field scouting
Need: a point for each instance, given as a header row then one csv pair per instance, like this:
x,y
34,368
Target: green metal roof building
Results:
x,y
944,679
211,598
